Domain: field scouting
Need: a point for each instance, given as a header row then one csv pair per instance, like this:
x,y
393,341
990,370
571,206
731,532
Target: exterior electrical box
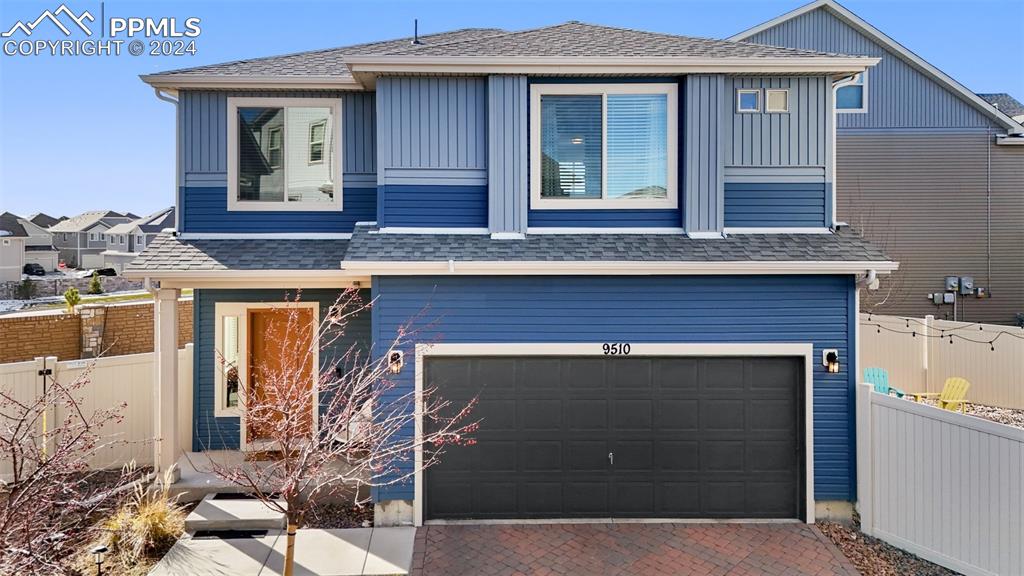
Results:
x,y
952,283
967,285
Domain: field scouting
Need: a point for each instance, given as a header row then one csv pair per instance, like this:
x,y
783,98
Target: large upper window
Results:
x,y
603,146
284,154
852,97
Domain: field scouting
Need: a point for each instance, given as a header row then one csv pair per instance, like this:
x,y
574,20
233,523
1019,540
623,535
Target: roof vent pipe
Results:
x,y
416,32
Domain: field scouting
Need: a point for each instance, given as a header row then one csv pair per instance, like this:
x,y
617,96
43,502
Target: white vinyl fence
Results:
x,y
922,362
942,485
112,380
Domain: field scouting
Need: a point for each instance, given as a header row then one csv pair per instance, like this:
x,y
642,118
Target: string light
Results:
x,y
949,336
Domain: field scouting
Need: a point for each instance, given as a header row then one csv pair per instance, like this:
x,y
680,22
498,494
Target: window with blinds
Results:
x,y
603,145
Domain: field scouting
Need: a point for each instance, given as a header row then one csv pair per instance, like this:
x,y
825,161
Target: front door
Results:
x,y
281,371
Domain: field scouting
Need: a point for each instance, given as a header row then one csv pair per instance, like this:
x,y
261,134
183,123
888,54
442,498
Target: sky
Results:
x,y
84,133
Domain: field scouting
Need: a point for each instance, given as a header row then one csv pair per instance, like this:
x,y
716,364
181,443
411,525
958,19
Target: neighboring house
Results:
x,y
126,240
44,220
926,169
1006,104
39,244
80,240
623,241
12,247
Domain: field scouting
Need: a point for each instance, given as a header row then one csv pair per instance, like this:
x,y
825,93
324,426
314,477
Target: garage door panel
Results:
x,y
692,437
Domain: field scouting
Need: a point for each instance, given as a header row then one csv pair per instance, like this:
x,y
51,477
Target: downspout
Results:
x,y
869,280
836,85
177,148
988,208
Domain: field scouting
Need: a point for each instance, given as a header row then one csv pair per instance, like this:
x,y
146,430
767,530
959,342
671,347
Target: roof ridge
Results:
x,y
504,33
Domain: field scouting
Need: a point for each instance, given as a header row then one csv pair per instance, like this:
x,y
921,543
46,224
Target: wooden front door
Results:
x,y
282,355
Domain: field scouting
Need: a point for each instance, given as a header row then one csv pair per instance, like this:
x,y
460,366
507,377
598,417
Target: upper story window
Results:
x,y
284,154
140,240
92,236
603,146
852,97
776,100
748,100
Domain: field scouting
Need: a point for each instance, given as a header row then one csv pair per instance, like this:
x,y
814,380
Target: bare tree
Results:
x,y
351,432
49,497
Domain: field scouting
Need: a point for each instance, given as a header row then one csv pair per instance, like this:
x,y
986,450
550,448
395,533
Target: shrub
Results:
x,y
145,526
72,298
94,284
26,290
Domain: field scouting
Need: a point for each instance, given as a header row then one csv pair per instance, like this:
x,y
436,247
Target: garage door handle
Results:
x,y
611,458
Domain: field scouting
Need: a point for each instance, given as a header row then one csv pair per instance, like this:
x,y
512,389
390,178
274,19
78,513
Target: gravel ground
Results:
x,y
339,516
873,557
1008,416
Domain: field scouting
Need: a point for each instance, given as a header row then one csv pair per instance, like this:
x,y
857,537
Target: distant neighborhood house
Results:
x,y
22,241
80,240
126,240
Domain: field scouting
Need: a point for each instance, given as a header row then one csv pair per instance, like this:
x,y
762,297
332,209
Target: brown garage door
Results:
x,y
577,437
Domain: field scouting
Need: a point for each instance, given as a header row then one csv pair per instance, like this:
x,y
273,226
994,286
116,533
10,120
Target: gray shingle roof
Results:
x,y
326,62
1005,103
168,252
844,246
10,226
591,40
84,221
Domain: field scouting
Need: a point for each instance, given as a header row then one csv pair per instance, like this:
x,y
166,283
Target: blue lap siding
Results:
x,y
434,206
210,432
647,218
205,210
800,205
702,309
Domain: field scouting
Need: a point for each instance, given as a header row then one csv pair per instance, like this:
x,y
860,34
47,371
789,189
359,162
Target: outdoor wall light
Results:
x,y
830,360
97,557
396,359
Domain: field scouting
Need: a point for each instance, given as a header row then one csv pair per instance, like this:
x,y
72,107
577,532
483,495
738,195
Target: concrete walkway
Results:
x,y
348,552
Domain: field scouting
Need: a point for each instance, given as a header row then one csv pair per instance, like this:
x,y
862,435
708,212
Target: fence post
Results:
x,y
926,344
46,370
865,474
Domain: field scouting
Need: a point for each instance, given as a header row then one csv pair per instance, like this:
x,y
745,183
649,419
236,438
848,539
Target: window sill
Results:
x,y
669,203
242,206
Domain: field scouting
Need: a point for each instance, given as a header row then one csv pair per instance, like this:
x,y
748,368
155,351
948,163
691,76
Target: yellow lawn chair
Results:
x,y
952,397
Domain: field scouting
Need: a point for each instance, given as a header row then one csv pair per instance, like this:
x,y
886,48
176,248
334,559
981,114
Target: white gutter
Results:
x,y
507,268
174,82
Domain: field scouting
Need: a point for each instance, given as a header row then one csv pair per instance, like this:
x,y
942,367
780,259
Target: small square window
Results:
x,y
748,100
776,100
851,97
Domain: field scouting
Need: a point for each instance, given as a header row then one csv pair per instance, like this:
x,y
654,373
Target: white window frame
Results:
x,y
671,201
235,205
863,94
92,236
321,142
241,310
279,130
739,96
767,100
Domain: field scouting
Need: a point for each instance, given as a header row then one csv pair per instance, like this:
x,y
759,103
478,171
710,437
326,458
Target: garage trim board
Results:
x,y
599,349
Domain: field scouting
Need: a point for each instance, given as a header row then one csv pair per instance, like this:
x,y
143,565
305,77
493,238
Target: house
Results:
x,y
39,243
624,241
12,247
1006,104
926,169
80,240
44,220
126,240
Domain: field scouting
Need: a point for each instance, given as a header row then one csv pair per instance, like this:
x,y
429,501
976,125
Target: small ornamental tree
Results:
x,y
363,437
72,298
95,287
49,498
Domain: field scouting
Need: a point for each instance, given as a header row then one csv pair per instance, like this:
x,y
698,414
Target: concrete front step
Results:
x,y
233,511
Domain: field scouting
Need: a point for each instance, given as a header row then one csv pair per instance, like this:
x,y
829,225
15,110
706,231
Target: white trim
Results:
x,y
428,230
567,65
322,142
172,82
508,236
777,230
739,97
698,235
803,350
767,100
338,136
671,200
253,283
1008,141
877,35
584,230
241,310
613,268
856,80
265,236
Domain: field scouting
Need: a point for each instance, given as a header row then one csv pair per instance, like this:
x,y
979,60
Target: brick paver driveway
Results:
x,y
634,549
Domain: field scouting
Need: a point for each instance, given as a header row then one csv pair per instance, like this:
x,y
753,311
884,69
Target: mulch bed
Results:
x,y
339,516
873,557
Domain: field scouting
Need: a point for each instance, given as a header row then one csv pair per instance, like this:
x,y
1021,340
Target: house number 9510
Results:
x,y
616,349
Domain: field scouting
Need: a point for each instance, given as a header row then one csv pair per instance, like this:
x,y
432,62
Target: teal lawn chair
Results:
x,y
879,377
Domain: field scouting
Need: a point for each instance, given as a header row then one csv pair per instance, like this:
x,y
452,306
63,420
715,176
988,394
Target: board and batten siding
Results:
x,y
507,153
222,433
662,309
798,137
704,152
922,197
899,95
203,165
432,151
